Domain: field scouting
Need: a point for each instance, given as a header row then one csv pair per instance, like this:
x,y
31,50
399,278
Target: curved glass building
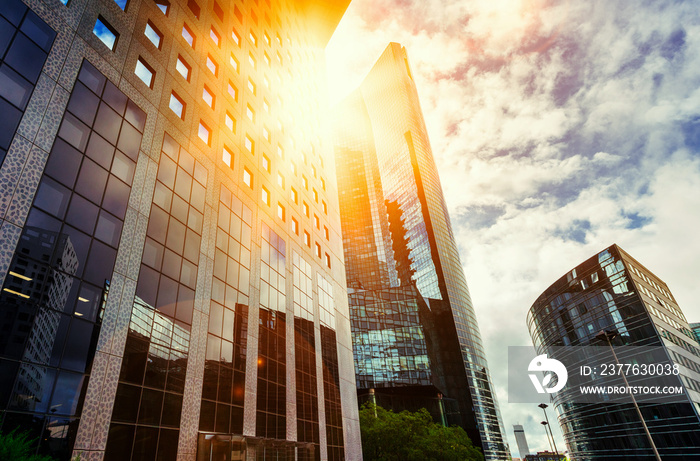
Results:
x,y
415,336
613,292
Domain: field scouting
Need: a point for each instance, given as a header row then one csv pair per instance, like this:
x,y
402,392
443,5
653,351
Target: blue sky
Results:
x,y
558,128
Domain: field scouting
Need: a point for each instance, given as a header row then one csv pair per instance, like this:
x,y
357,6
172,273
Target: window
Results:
x,y
251,86
294,168
208,96
280,211
305,182
253,38
234,62
279,58
266,134
280,180
219,12
266,106
280,151
317,222
295,226
307,239
177,105
266,38
315,195
204,133
265,195
266,58
326,233
318,250
325,206
144,72
121,3
249,144
266,163
230,122
188,35
232,91
106,33
328,260
227,156
182,67
247,178
153,34
250,113
163,6
279,39
194,7
323,184
251,60
235,37
212,66
266,81
295,196
306,209
313,170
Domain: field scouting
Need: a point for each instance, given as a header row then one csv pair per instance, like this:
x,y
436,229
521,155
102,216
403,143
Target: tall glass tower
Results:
x,y
415,336
171,266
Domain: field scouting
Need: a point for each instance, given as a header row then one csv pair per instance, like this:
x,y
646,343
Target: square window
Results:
x,y
251,86
144,72
266,81
153,34
266,163
183,68
194,7
325,206
294,168
250,113
253,38
307,239
230,122
234,62
106,33
266,134
280,211
212,66
295,226
177,105
318,250
208,96
232,91
326,233
317,222
280,151
328,260
247,178
266,58
315,195
218,11
306,209
313,170
227,156
295,196
266,38
214,35
204,133
121,3
251,60
188,35
235,37
305,182
323,184
249,144
163,6
280,180
265,195
266,106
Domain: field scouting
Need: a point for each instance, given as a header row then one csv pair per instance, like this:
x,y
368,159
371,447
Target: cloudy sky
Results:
x,y
558,128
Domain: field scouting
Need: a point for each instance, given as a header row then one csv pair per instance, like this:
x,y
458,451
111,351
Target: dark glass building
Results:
x,y
613,292
415,336
171,266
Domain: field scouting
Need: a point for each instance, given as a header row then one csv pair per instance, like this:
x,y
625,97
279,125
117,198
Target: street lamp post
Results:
x,y
544,423
543,406
608,335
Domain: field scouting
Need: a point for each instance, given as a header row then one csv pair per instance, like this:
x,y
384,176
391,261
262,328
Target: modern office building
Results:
x,y
614,293
415,336
171,266
696,330
521,440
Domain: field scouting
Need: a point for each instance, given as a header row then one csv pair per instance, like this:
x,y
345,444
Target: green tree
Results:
x,y
17,446
407,436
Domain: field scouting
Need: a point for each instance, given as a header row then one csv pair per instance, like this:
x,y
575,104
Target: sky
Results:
x,y
558,129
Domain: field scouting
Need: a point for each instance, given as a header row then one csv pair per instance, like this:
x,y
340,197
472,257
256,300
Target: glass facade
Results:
x,y
163,296
414,326
612,291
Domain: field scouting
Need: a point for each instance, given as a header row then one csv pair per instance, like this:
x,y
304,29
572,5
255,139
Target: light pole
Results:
x,y
544,423
543,406
608,335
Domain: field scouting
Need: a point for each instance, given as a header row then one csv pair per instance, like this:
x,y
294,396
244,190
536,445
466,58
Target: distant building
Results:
x,y
415,337
614,292
521,440
545,456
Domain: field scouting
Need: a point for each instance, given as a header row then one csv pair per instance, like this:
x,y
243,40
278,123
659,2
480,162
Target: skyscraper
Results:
x,y
613,292
171,261
416,340
521,440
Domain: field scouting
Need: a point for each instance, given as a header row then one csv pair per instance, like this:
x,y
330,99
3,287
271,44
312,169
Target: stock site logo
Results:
x,y
551,367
